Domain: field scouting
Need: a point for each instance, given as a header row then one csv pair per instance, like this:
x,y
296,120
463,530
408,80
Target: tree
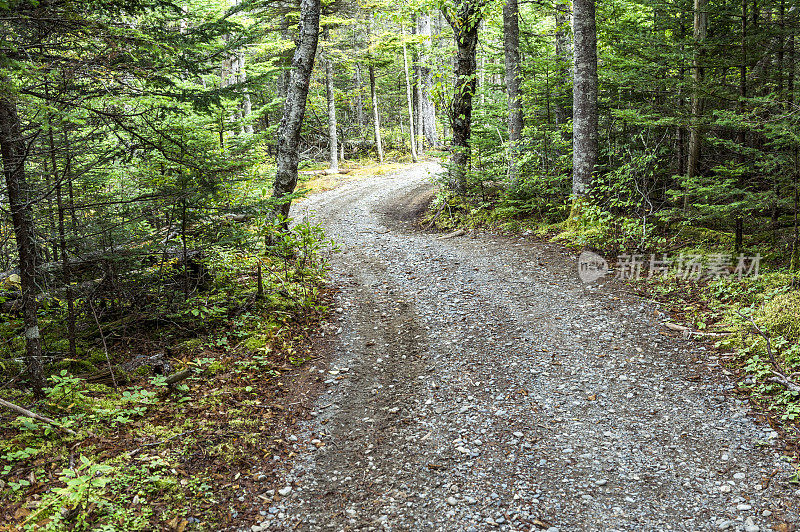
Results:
x,y
331,106
585,126
409,98
295,107
511,50
464,17
14,150
427,108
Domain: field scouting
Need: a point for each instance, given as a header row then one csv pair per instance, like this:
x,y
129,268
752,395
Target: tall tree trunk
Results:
x,y
13,150
511,48
288,136
465,21
245,105
409,98
697,100
376,119
66,269
330,96
359,101
427,108
563,62
680,129
742,134
584,154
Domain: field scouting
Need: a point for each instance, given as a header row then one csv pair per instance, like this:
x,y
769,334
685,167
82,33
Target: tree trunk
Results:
x,y
66,270
511,48
427,108
409,98
330,96
563,59
13,150
246,105
359,102
465,22
376,120
584,154
697,100
288,135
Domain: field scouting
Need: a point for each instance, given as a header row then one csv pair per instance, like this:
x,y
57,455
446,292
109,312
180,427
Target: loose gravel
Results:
x,y
476,384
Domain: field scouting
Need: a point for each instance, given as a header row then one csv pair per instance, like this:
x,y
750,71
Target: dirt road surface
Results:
x,y
475,383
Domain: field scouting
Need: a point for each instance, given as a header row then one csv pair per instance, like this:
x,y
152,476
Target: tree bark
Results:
x,y
376,120
330,96
584,154
563,59
427,108
13,150
465,21
409,98
359,101
697,100
288,135
511,49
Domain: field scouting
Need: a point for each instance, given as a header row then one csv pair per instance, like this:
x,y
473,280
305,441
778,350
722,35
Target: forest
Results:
x,y
151,151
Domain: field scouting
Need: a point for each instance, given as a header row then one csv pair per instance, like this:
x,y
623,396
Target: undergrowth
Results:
x,y
199,454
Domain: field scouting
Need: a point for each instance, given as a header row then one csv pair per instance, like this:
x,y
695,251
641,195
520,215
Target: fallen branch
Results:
x,y
37,417
454,234
778,375
777,378
178,377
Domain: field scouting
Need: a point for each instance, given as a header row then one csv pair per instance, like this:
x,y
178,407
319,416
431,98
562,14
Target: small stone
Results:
x,y
283,492
452,501
256,528
518,434
601,482
725,488
553,529
725,525
739,476
744,507
766,513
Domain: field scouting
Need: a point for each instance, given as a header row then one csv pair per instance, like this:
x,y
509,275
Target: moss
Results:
x,y
190,346
781,315
255,343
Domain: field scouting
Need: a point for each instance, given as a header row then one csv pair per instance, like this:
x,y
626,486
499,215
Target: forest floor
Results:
x,y
475,383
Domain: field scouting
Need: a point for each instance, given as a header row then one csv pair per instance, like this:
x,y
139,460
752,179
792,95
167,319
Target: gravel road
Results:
x,y
475,384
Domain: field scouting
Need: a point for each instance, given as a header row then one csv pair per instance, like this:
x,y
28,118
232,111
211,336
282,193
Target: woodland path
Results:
x,y
475,384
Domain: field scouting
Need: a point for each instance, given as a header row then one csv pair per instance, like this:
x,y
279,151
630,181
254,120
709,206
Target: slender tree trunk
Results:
x,y
66,269
427,108
376,120
697,100
13,150
246,105
331,99
680,129
564,60
465,22
359,101
584,156
410,99
511,48
288,136
742,134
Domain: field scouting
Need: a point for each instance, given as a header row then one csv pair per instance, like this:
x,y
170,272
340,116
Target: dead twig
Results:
x,y
37,417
